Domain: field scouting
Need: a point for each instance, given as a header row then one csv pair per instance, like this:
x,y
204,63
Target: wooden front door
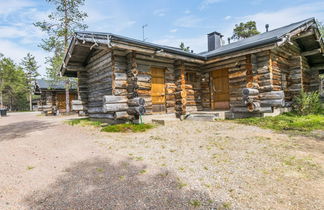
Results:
x,y
219,89
61,98
158,90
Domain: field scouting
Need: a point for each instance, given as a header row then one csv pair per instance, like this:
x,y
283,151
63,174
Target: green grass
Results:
x,y
288,121
127,127
84,122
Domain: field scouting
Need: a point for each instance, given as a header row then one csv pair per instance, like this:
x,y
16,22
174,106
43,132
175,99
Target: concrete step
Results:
x,y
203,116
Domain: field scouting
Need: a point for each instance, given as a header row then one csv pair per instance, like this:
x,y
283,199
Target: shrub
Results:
x,y
307,103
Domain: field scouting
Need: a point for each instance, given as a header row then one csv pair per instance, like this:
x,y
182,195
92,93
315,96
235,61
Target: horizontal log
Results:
x,y
250,91
78,107
138,110
143,78
180,94
275,103
120,76
114,99
136,102
95,110
254,107
121,115
120,84
272,95
114,107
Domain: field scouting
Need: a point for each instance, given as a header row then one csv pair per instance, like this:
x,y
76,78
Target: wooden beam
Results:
x,y
154,52
241,53
317,67
303,35
88,57
312,52
75,68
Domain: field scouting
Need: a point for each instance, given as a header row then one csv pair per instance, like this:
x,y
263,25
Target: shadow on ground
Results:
x,y
98,184
21,129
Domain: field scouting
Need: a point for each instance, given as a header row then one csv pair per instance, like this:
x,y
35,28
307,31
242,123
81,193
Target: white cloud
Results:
x,y
189,21
17,52
187,11
116,21
278,18
287,16
206,3
159,12
173,30
227,17
9,6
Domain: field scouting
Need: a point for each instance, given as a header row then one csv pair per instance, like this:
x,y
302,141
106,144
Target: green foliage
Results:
x,y
307,103
60,26
321,28
127,128
288,121
30,67
13,88
245,30
184,48
84,122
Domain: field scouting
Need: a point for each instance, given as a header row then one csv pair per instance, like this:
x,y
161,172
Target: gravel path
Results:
x,y
46,164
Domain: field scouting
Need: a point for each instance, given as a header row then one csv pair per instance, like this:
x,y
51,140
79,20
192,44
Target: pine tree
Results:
x,y
30,67
13,89
184,48
60,26
245,30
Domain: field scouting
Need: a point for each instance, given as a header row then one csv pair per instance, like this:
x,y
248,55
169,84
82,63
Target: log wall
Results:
x,y
99,77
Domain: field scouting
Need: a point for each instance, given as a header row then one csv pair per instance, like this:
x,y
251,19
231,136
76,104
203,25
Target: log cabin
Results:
x,y
52,96
255,76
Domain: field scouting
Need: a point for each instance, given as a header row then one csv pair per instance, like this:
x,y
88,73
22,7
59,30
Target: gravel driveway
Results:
x,y
46,164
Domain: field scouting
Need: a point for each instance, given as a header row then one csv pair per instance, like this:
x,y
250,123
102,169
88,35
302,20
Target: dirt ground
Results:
x,y
47,164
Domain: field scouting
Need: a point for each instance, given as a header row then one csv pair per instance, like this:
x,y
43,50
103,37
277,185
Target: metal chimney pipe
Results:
x,y
267,27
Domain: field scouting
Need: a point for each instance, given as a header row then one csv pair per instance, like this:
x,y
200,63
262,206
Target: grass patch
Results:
x,y
288,121
30,167
84,122
127,127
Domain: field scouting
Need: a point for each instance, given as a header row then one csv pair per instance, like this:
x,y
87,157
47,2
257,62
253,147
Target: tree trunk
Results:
x,y
1,100
67,96
30,102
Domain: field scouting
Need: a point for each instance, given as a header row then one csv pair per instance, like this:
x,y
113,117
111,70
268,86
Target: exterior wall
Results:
x,y
144,63
292,72
99,74
49,100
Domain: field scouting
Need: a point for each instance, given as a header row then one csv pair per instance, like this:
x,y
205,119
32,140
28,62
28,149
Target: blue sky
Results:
x,y
169,21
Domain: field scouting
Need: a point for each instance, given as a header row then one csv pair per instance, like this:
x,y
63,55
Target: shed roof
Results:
x,y
43,84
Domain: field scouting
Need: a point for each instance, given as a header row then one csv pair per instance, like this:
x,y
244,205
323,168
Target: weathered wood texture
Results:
x,y
98,82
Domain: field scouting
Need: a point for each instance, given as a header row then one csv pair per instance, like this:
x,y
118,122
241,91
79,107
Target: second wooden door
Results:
x,y
158,90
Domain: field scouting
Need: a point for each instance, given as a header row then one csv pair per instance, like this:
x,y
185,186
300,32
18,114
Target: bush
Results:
x,y
307,103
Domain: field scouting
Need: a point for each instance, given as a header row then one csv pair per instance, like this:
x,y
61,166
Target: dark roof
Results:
x,y
254,41
257,40
50,84
269,37
101,38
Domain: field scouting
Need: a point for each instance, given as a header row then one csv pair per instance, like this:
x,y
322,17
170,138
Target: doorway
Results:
x,y
158,90
219,89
